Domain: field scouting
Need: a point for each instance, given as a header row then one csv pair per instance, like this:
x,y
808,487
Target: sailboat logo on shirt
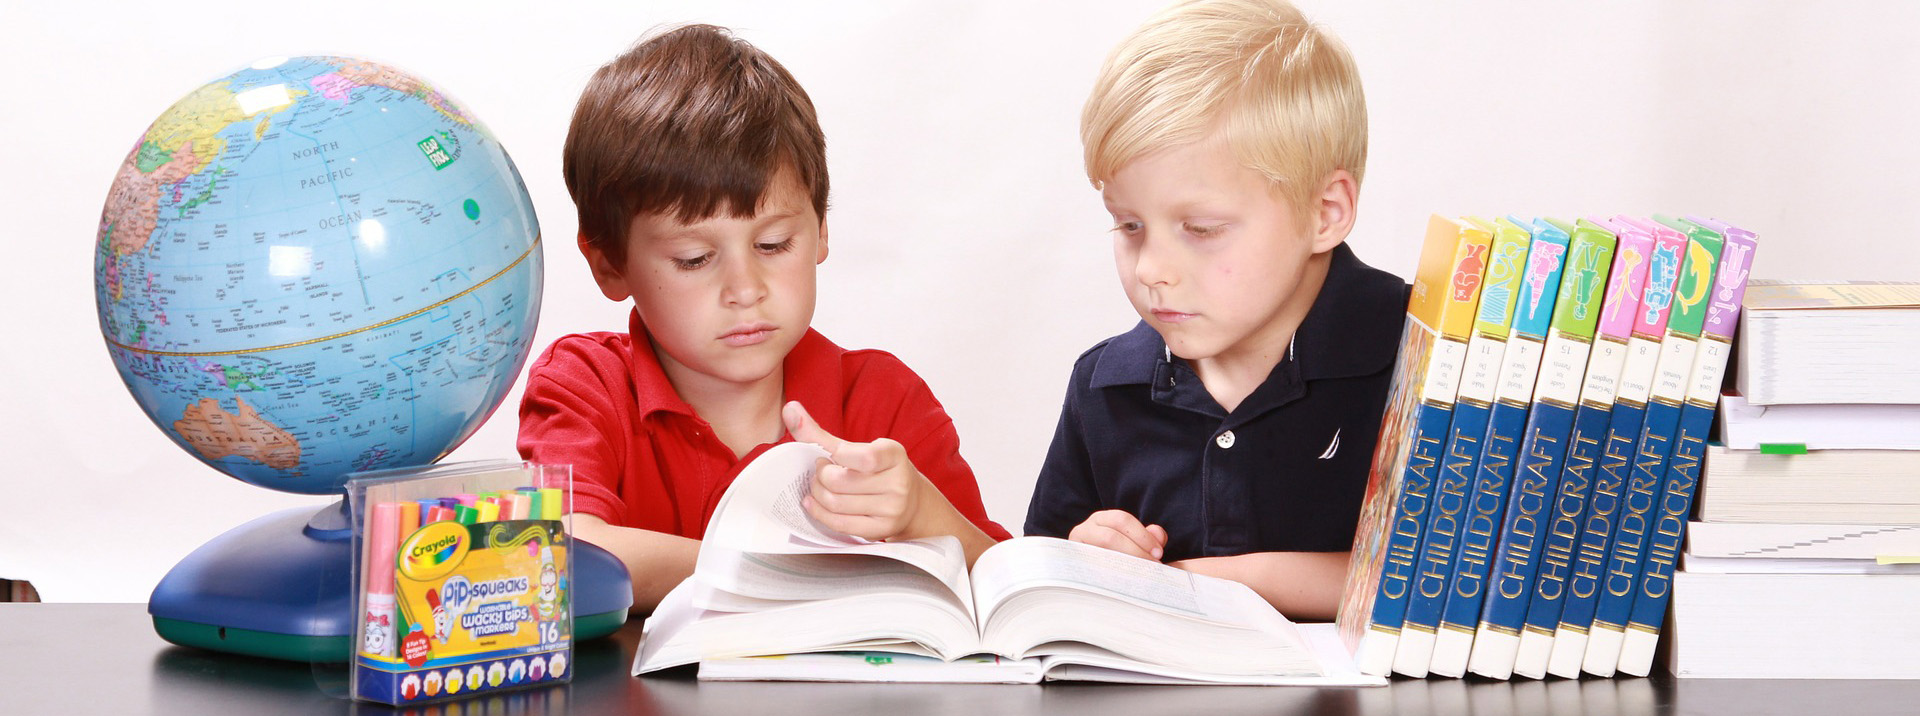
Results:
x,y
1332,447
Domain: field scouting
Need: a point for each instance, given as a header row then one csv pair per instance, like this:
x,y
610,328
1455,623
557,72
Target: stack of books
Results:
x,y
1809,519
1537,460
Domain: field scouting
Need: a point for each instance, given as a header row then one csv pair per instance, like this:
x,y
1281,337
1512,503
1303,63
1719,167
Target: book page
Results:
x,y
1080,662
761,513
1029,562
1036,595
761,510
744,581
679,632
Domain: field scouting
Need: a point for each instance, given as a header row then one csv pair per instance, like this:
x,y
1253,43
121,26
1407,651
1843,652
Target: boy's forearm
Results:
x,y
1305,586
656,561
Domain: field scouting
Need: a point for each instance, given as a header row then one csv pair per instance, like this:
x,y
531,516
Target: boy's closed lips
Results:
x,y
748,334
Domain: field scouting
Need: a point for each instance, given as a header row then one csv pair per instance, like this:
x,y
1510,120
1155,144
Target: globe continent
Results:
x,y
316,266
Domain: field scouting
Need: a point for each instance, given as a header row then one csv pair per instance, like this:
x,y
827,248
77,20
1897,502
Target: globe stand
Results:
x,y
281,587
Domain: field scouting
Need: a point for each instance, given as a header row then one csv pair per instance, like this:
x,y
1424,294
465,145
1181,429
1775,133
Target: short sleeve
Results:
x,y
565,418
1064,495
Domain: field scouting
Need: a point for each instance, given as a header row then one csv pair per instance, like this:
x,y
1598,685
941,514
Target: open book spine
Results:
x,y
1560,571
1683,470
1419,408
1517,563
1493,321
1626,556
1610,472
1486,504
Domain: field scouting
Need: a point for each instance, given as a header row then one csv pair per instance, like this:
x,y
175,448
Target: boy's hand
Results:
x,y
1120,531
870,490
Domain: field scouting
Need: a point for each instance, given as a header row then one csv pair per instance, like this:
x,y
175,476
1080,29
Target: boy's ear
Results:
x,y
1335,206
609,276
821,255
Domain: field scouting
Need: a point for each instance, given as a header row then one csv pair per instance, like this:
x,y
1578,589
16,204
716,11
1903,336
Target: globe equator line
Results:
x,y
397,319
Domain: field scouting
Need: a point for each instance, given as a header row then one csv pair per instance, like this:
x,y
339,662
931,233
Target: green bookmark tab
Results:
x,y
1783,448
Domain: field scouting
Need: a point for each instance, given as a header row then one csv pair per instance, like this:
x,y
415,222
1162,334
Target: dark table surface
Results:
x,y
105,658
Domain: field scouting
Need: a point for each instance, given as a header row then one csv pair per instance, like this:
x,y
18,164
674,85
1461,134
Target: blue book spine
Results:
x,y
1603,513
1624,555
1486,507
1517,558
1447,515
1557,571
1668,524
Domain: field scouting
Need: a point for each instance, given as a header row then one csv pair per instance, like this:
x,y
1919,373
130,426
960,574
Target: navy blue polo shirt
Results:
x,y
1283,472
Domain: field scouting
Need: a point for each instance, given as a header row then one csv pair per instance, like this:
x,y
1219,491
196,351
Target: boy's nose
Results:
x,y
1151,265
742,284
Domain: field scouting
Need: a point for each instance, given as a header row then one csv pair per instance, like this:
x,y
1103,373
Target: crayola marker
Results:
x,y
466,498
439,514
466,515
383,535
520,504
489,509
550,503
533,502
409,517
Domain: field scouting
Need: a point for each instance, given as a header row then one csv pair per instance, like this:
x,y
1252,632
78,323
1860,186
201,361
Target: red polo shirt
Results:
x,y
642,458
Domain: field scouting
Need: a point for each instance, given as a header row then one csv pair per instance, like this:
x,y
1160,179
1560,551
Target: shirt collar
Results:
x,y
1351,330
811,374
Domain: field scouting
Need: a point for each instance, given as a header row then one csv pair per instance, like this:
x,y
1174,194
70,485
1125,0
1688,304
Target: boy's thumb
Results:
x,y
801,426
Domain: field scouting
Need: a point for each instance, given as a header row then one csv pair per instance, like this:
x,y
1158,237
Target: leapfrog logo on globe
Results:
x,y
434,551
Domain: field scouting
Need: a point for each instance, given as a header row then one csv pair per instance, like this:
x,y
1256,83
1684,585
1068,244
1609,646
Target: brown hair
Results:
x,y
690,121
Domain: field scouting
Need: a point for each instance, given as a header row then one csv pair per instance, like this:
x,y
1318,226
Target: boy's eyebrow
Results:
x,y
777,216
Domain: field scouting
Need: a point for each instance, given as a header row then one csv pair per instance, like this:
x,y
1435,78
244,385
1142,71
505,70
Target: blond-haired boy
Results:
x,y
1230,431
698,169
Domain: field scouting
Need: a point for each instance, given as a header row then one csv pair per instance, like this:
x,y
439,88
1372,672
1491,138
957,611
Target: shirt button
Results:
x,y
1225,440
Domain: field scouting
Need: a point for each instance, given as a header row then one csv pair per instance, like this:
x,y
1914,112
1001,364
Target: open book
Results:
x,y
770,581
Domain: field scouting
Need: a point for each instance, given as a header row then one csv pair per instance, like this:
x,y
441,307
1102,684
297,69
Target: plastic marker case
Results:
x,y
463,580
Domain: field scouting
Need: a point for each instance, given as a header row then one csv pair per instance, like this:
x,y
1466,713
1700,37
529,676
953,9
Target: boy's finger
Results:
x,y
1114,540
844,480
870,458
801,426
1128,526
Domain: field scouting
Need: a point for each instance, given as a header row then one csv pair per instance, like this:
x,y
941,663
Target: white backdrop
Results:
x,y
966,239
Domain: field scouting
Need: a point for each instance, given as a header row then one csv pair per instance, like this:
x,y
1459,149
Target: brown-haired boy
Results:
x,y
699,172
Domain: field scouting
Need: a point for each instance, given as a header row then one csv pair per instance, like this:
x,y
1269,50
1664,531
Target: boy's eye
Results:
x,y
1129,227
1204,230
775,247
692,263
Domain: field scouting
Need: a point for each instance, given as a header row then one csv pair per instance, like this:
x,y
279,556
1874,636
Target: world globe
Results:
x,y
316,266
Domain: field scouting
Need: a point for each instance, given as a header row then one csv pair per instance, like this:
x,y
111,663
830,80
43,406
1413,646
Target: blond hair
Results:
x,y
1286,94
